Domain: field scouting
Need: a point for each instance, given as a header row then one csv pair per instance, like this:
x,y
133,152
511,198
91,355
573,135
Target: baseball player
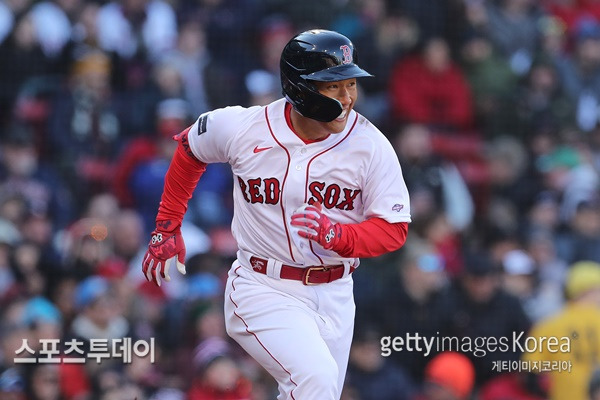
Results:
x,y
317,186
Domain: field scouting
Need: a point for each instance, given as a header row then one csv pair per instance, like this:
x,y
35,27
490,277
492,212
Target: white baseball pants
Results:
x,y
300,334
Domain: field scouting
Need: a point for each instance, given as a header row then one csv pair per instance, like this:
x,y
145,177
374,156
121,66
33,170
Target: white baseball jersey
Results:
x,y
300,334
355,174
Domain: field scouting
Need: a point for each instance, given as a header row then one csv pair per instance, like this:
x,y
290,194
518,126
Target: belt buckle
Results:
x,y
307,272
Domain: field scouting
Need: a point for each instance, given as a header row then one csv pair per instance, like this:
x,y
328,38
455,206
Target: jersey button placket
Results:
x,y
300,159
297,180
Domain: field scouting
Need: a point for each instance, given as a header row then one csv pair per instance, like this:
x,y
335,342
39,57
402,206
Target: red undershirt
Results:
x,y
288,119
370,238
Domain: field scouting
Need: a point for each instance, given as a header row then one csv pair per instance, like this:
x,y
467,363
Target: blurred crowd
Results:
x,y
493,107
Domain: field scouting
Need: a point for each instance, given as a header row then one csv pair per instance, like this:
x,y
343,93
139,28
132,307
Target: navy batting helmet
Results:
x,y
317,55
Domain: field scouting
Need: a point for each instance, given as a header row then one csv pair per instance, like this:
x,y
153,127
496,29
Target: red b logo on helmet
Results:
x,y
347,54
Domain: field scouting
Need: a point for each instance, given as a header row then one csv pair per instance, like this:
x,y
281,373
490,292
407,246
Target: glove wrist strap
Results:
x,y
168,226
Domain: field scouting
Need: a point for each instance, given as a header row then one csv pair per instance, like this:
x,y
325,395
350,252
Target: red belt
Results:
x,y
307,275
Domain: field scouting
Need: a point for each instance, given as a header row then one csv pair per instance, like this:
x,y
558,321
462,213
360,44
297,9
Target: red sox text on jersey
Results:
x,y
267,191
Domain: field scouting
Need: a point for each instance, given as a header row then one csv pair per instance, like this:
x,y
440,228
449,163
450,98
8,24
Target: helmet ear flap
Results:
x,y
318,106
308,101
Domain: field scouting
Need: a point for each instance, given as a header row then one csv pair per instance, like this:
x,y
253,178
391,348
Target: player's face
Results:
x,y
346,93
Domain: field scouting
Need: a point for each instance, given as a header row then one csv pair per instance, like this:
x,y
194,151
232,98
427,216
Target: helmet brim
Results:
x,y
337,73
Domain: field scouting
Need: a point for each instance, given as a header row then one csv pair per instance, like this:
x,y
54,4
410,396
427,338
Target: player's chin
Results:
x,y
337,125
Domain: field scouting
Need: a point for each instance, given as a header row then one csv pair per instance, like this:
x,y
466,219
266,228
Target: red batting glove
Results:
x,y
315,225
164,247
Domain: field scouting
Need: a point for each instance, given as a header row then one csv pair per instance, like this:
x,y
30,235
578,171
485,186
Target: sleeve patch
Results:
x,y
202,124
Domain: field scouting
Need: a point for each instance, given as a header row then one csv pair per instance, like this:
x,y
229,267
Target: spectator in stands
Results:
x,y
130,27
61,293
83,38
477,306
98,317
80,252
434,183
85,128
27,60
448,376
430,17
24,173
543,216
512,28
521,278
540,238
430,88
581,240
262,82
579,73
26,263
554,38
435,229
375,377
416,289
53,22
42,382
552,270
127,235
492,83
568,171
205,82
229,27
512,187
165,82
218,376
542,101
141,166
577,324
135,34
13,208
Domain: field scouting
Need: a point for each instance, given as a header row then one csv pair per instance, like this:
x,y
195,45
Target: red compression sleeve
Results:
x,y
371,238
180,181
